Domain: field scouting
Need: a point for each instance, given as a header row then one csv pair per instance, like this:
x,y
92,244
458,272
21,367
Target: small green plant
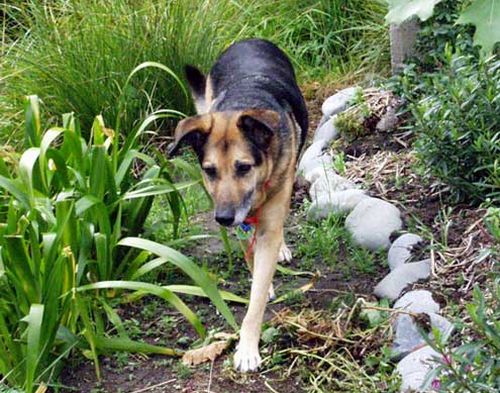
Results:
x,y
474,366
456,124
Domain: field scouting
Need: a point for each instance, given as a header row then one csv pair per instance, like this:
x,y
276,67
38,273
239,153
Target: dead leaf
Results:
x,y
204,354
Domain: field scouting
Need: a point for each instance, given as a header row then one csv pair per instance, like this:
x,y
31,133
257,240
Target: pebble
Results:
x,y
414,368
393,284
327,131
372,221
400,251
338,202
338,102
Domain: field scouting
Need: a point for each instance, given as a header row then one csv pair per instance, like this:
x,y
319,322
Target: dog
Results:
x,y
250,128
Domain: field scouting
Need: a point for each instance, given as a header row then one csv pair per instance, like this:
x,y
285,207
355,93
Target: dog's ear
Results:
x,y
192,131
259,126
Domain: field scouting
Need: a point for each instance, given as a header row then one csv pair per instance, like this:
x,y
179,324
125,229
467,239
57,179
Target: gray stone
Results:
x,y
323,120
414,368
417,301
408,338
338,102
311,157
312,175
388,121
328,183
400,251
393,284
327,131
323,161
338,202
372,221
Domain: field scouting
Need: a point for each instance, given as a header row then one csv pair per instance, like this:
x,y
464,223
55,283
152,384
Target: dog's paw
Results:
x,y
285,253
246,358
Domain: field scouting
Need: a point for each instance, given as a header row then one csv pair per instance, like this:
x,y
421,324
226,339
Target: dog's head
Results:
x,y
234,149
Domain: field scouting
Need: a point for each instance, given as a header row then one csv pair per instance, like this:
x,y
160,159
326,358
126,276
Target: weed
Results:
x,y
473,366
182,371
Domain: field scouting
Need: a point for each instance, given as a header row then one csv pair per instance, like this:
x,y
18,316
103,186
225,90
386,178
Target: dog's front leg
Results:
x,y
267,246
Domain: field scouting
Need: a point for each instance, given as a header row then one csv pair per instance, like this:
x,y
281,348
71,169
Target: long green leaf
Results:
x,y
201,278
152,289
127,345
35,346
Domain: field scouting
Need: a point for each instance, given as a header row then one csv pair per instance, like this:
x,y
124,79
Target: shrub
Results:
x,y
457,126
71,212
452,95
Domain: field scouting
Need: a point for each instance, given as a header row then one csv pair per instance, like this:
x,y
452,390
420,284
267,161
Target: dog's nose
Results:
x,y
225,216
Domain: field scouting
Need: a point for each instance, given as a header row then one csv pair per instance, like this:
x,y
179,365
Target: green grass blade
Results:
x,y
197,291
152,289
127,345
35,346
33,126
200,277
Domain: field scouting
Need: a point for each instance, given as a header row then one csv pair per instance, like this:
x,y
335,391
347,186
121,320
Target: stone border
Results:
x,y
371,222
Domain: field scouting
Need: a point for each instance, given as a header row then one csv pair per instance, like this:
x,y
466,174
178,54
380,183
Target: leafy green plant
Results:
x,y
71,212
456,124
474,365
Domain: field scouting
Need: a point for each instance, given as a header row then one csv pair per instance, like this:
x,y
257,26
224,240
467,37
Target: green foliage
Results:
x,y
474,366
77,54
327,241
457,125
452,93
71,212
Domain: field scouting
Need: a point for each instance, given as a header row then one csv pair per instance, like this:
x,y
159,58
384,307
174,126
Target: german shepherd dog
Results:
x,y
251,125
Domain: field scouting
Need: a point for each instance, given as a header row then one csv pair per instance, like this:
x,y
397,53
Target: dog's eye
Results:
x,y
210,171
243,169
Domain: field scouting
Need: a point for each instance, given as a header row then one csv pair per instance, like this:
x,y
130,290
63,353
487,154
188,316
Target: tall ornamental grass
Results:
x,y
71,215
76,54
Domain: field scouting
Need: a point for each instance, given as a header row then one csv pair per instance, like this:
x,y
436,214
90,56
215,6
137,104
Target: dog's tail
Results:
x,y
197,84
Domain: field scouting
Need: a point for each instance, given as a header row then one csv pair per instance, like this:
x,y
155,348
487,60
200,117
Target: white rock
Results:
x,y
408,338
417,301
328,183
315,173
338,102
372,221
327,131
311,155
393,284
414,368
323,162
323,120
338,202
400,251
